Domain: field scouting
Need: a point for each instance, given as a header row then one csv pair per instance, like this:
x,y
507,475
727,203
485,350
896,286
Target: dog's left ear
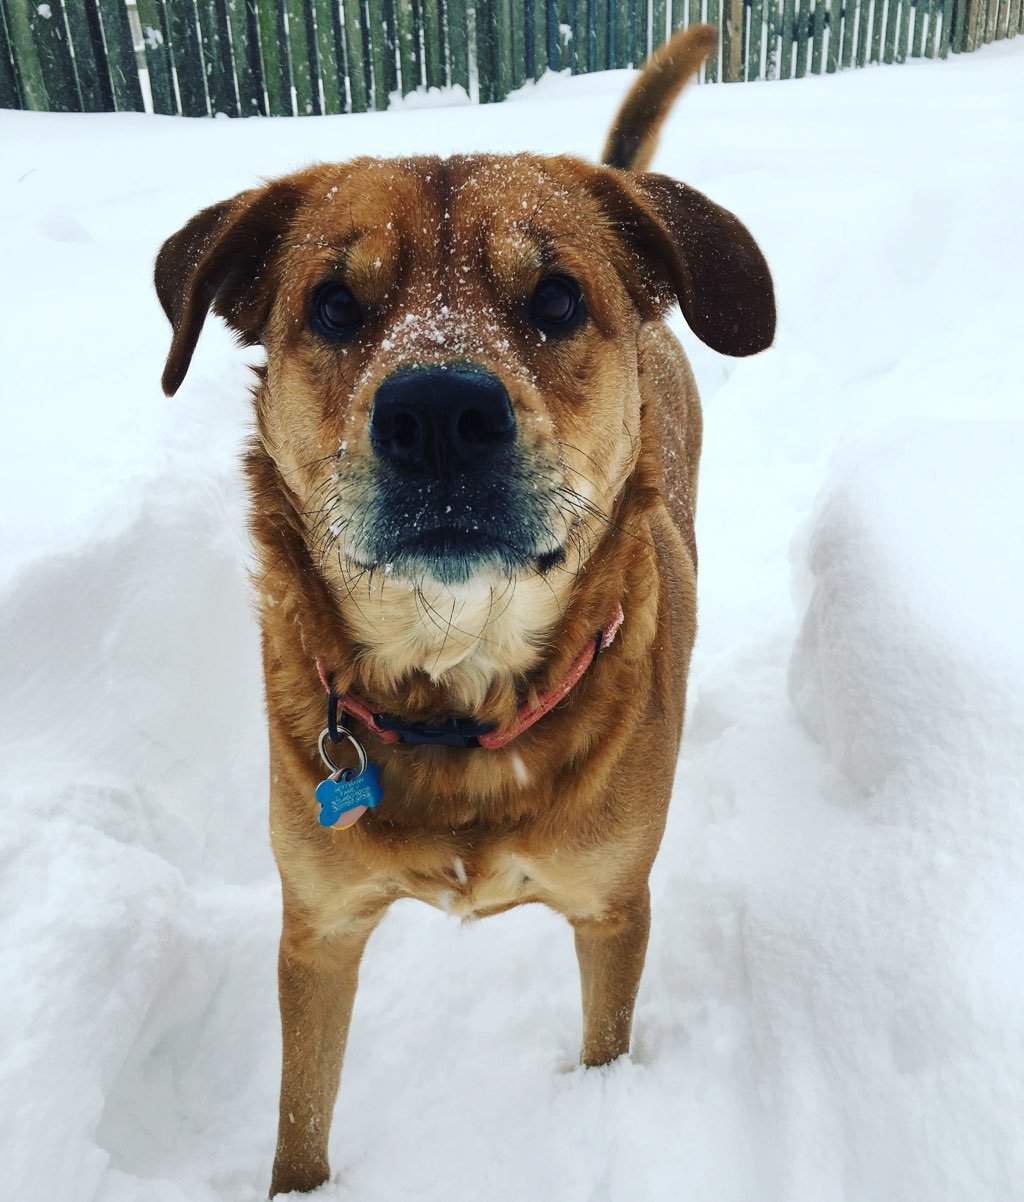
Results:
x,y
701,253
221,259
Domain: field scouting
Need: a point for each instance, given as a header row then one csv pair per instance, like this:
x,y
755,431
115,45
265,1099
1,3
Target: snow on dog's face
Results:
x,y
451,391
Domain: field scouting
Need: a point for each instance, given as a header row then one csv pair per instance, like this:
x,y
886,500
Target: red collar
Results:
x,y
465,732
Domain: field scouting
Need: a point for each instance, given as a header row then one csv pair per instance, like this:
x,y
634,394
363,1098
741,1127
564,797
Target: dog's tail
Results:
x,y
634,134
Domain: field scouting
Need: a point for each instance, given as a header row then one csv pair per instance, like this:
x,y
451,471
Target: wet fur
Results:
x,y
442,253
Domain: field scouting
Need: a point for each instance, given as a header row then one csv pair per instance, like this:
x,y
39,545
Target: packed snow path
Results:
x,y
833,1007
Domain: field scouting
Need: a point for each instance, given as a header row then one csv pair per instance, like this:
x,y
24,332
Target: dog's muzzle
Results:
x,y
455,488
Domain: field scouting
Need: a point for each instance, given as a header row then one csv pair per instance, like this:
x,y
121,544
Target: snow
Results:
x,y
832,1006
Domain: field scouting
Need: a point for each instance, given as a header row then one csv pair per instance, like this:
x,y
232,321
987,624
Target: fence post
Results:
x,y
156,46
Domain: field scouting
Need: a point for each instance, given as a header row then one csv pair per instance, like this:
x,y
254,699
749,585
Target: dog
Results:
x,y
472,501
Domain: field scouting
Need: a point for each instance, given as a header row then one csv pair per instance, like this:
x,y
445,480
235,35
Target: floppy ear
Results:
x,y
703,253
221,259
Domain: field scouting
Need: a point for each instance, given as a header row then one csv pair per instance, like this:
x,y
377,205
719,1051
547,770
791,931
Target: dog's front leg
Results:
x,y
317,978
611,953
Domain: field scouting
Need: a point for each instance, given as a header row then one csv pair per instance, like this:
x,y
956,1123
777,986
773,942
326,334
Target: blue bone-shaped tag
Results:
x,y
338,796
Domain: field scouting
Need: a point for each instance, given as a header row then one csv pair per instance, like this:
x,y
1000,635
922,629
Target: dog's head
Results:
x,y
451,389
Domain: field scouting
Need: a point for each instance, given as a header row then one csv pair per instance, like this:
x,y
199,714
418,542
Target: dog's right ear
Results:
x,y
221,258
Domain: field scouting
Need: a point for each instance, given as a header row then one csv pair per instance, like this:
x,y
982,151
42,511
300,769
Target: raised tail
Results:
x,y
633,137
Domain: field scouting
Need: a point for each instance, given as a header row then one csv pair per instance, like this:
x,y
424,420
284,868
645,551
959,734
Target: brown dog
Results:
x,y
476,458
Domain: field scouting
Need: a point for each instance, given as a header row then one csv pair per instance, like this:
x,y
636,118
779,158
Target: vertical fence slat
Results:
x,y
931,35
10,93
1016,11
711,66
358,84
599,40
835,22
42,55
863,30
156,47
877,18
245,53
771,57
516,44
659,20
892,22
458,43
990,21
803,37
753,70
786,33
376,40
405,33
187,54
274,56
849,33
90,55
732,41
390,54
302,53
639,32
216,44
330,69
918,29
818,45
903,40
433,60
487,50
539,9
947,28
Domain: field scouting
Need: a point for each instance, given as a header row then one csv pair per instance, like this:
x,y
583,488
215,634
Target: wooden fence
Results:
x,y
285,57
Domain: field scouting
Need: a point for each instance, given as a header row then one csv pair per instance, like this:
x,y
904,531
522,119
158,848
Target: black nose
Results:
x,y
434,420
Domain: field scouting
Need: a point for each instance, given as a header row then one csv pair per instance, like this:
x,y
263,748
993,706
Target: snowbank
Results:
x,y
832,1009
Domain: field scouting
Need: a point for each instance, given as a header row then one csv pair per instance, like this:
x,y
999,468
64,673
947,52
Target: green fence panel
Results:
x,y
903,36
277,76
517,43
602,15
433,49
536,14
1013,23
157,49
892,25
877,27
659,22
919,23
360,83
947,27
458,43
376,41
330,56
931,33
187,53
302,55
863,32
834,21
243,18
10,93
90,56
390,53
787,33
638,31
711,66
216,44
487,51
42,54
732,39
803,39
406,37
753,67
818,43
772,40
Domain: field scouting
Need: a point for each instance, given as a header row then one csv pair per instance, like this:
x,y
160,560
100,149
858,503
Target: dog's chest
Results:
x,y
475,885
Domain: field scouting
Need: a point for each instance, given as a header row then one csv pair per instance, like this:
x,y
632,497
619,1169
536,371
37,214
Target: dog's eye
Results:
x,y
335,312
557,305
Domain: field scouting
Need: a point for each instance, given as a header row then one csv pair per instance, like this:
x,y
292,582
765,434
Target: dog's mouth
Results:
x,y
455,530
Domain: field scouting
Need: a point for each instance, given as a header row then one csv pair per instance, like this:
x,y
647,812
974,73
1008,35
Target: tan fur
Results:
x,y
441,255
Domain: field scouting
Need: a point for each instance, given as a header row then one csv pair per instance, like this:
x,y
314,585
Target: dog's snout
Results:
x,y
435,420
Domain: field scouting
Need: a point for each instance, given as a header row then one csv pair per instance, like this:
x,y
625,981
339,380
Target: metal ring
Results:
x,y
325,735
